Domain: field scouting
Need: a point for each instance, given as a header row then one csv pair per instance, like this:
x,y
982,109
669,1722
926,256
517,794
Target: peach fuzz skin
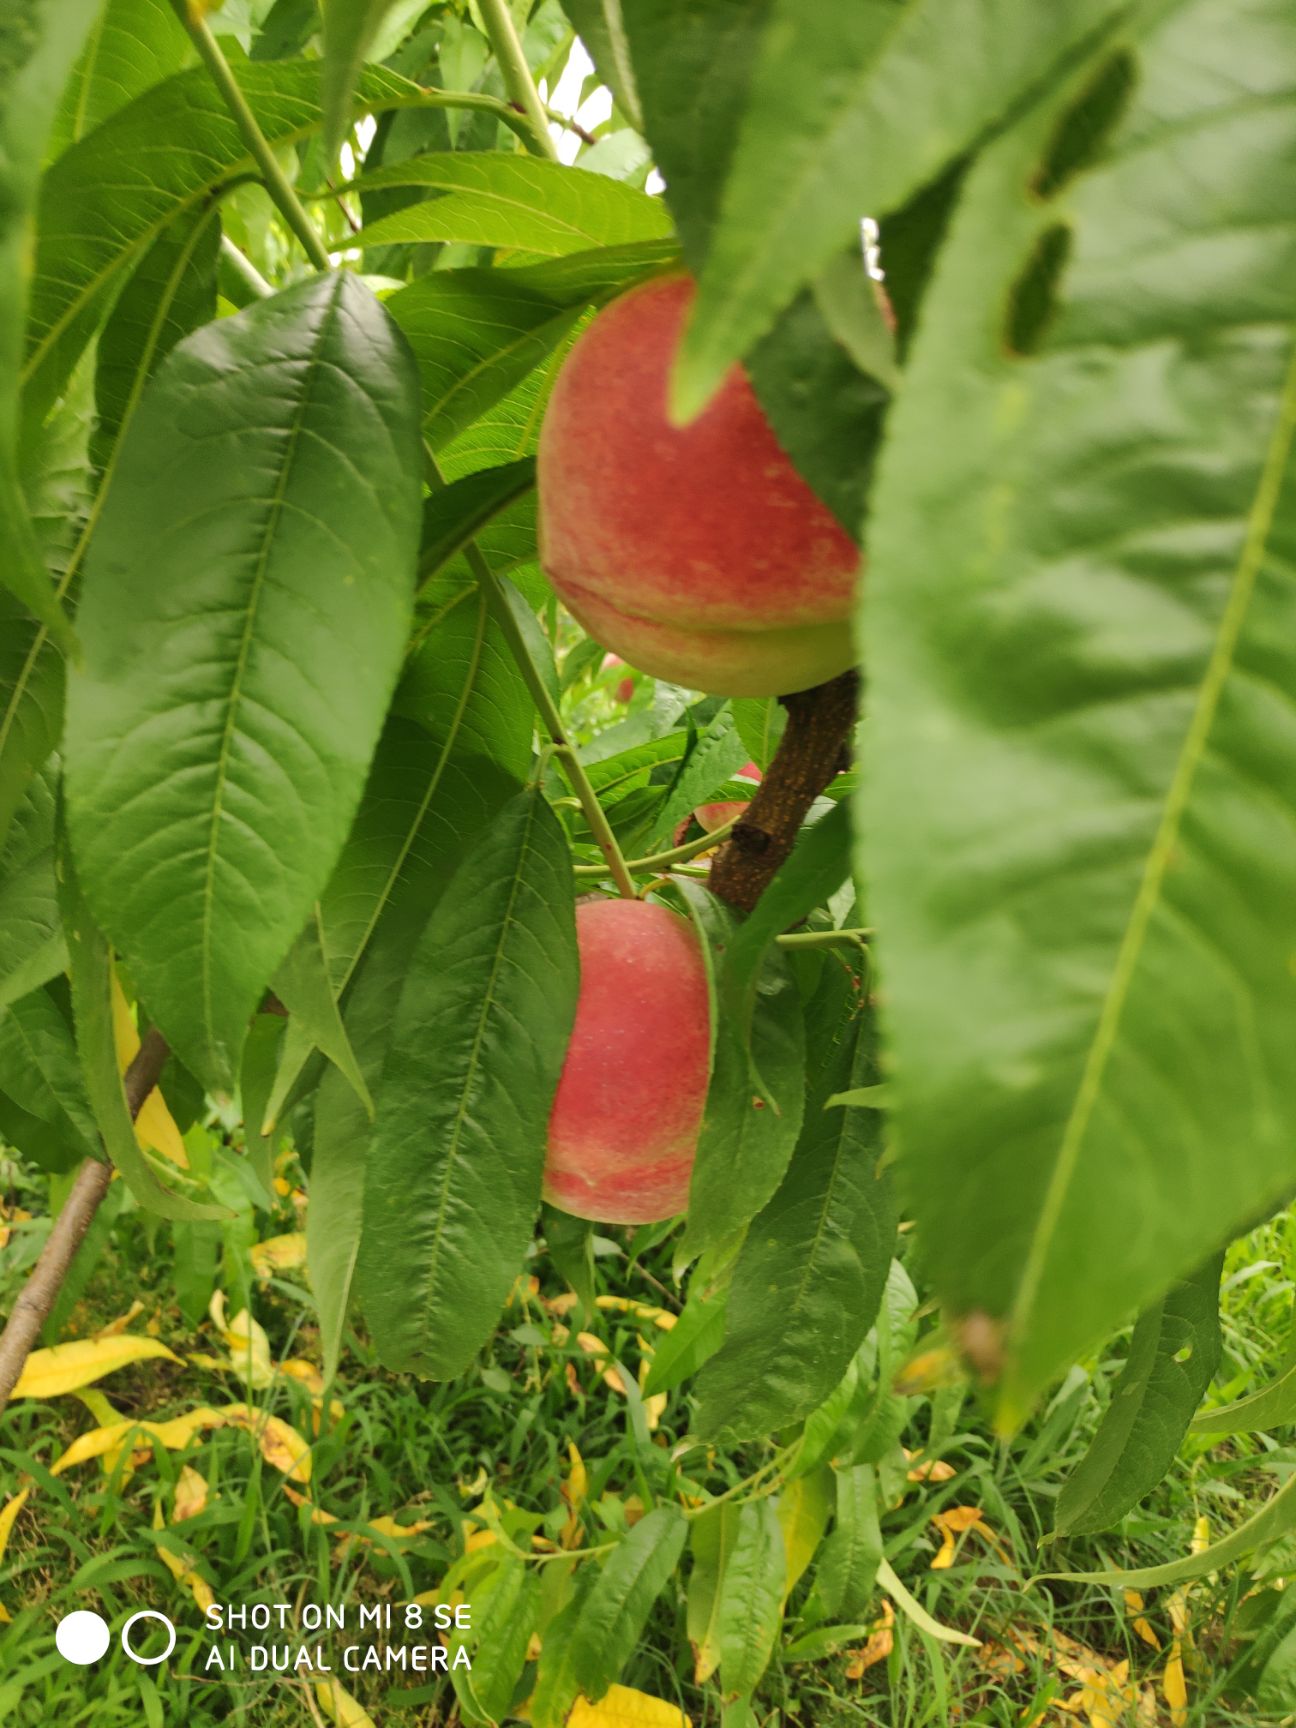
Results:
x,y
697,553
628,1108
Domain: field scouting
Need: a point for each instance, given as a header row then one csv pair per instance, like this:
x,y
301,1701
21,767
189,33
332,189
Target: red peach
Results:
x,y
629,1103
696,552
713,816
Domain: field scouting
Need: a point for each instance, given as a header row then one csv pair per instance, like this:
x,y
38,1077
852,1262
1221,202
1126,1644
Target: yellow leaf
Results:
x,y
122,1321
928,1370
281,1444
246,1341
595,1347
155,1127
879,1647
802,1510
1174,1688
109,1442
279,1254
573,1492
190,1495
296,1368
654,1407
68,1367
8,1515
627,1305
623,1707
340,1707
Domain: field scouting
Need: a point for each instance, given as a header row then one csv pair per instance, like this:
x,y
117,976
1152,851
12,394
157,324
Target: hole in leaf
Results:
x,y
1184,1355
1034,296
1087,124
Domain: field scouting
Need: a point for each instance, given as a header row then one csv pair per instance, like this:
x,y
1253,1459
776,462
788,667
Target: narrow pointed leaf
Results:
x,y
1172,1359
215,759
349,29
452,1189
614,1612
32,950
133,45
498,199
847,1571
303,985
811,1272
750,1599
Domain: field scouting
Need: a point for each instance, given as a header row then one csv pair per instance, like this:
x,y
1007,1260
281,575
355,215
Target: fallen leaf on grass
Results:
x,y
880,1645
623,1707
7,1517
67,1367
340,1707
279,1254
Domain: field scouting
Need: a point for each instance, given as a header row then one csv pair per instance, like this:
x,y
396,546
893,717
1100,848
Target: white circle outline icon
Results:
x,y
82,1637
148,1614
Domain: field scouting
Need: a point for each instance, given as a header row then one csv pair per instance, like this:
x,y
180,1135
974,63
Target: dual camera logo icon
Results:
x,y
83,1637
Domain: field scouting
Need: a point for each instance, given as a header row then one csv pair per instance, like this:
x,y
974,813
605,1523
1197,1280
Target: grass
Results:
x,y
428,1454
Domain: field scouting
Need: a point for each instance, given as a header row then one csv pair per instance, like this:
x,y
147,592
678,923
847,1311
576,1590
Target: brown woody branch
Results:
x,y
814,748
38,1295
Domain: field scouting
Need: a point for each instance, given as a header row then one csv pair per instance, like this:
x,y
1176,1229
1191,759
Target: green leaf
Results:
x,y
570,1242
91,975
746,1141
851,114
913,1610
601,27
819,863
106,200
453,1183
505,1613
343,1143
826,412
489,199
134,44
32,950
170,295
693,65
711,1540
811,1272
760,721
1172,1359
618,1603
1078,814
256,1079
349,29
1274,1519
210,781
38,42
847,1572
803,1508
718,753
476,332
750,1599
1273,1406
697,1334
457,513
40,1072
303,985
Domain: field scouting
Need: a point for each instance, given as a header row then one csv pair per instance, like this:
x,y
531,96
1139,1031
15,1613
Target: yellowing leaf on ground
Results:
x,y
623,1707
67,1367
155,1127
1107,1697
181,1569
595,1347
880,1645
1174,1687
246,1341
281,1444
306,1373
1140,1623
122,1321
109,1442
8,1514
340,1707
573,1492
190,1495
928,1469
279,1254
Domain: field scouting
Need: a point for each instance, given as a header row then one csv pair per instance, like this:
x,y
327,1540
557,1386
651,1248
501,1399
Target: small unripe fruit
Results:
x,y
697,552
629,1103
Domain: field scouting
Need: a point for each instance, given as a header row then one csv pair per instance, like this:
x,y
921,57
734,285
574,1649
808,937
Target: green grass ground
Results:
x,y
426,1455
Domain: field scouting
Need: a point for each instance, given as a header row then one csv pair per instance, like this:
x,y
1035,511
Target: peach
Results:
x,y
713,816
697,552
628,1108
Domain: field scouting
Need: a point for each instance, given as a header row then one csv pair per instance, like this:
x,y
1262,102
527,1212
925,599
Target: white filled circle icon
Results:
x,y
82,1637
